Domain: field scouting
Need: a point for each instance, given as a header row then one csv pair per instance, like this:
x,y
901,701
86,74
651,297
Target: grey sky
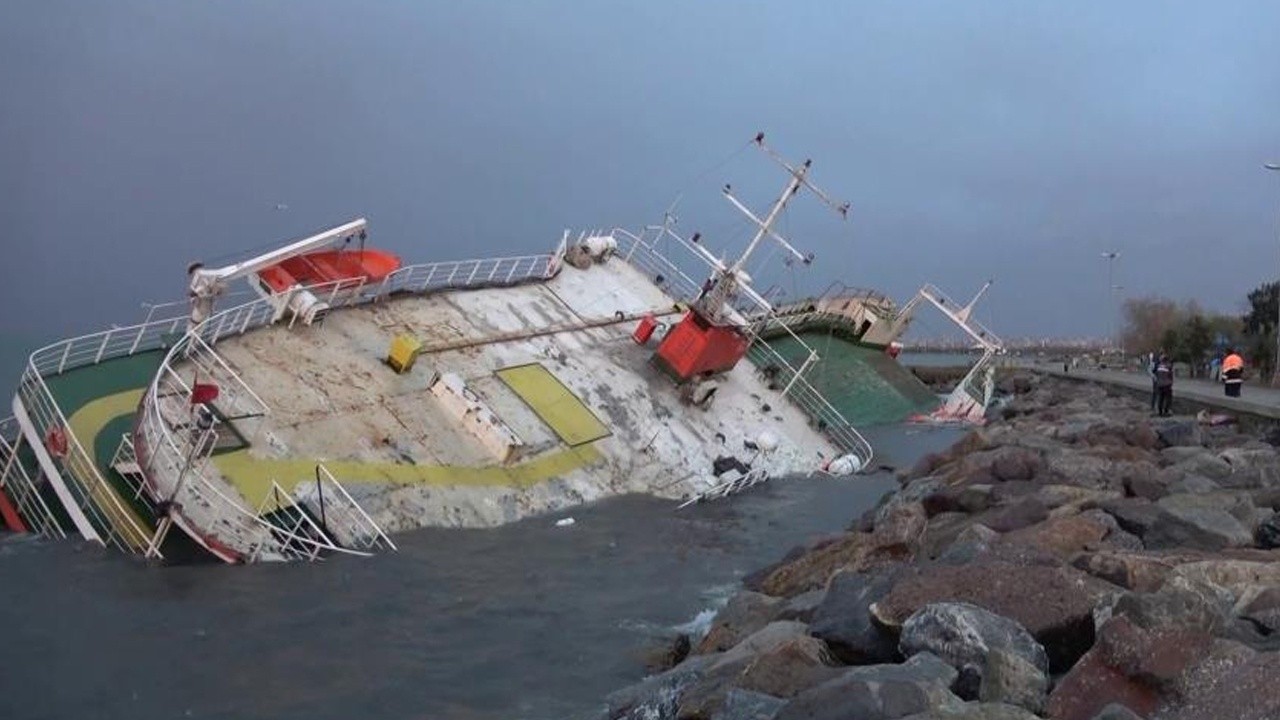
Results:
x,y
1016,140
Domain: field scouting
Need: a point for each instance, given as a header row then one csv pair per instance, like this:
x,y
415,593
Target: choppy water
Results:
x,y
526,621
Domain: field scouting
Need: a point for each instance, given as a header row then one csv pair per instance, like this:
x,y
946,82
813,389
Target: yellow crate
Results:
x,y
404,351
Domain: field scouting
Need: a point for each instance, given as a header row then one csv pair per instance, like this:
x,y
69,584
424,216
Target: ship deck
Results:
x,y
100,402
333,400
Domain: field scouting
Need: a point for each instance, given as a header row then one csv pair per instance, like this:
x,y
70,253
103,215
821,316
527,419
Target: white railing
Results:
x,y
824,417
645,256
296,533
463,274
16,482
116,523
341,514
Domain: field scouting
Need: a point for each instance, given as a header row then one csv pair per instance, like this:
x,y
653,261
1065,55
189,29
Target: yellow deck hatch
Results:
x,y
558,407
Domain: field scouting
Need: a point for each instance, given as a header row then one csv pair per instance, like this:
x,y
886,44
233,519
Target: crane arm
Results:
x,y
355,228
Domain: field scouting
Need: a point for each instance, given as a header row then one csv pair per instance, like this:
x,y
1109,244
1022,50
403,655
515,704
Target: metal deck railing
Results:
x,y
16,482
644,255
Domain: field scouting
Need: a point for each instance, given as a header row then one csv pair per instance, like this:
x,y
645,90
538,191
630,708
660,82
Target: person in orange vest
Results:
x,y
1233,372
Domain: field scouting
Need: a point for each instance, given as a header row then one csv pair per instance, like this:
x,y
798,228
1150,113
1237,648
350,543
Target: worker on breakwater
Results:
x,y
1163,379
1233,372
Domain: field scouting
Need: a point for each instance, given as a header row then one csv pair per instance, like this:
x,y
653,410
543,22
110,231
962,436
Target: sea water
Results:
x,y
525,621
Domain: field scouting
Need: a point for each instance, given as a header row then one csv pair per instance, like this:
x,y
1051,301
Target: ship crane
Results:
x,y
969,400
206,284
709,338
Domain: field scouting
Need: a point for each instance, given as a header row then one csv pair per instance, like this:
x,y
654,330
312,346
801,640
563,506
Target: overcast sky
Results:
x,y
1015,140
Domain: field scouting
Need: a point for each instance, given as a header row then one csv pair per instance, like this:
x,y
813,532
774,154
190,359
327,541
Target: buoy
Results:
x,y
844,465
767,441
56,441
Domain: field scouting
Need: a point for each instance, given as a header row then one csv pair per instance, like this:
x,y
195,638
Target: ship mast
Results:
x,y
727,280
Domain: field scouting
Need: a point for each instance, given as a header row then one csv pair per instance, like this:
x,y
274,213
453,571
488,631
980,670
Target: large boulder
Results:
x,y
1007,663
1134,515
1063,536
1241,686
1207,522
1156,656
1140,571
877,692
1092,685
810,569
1177,433
786,670
975,711
1083,470
747,705
1053,602
657,698
843,620
744,614
781,666
1251,468
1022,513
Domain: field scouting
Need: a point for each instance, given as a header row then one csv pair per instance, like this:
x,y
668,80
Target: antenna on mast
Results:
x,y
727,280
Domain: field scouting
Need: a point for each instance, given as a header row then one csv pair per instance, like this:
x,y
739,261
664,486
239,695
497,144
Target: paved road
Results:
x,y
1253,399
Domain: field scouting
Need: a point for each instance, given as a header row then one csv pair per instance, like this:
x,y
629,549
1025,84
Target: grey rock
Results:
x,y
1251,468
1133,515
1267,535
1020,514
976,711
1260,605
969,544
1179,603
657,697
1207,464
763,640
746,705
1011,666
1179,433
842,619
1011,679
1116,712
914,491
1202,522
1194,485
745,613
802,606
877,692
1080,469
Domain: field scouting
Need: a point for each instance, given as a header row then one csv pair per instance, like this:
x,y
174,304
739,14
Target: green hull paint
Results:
x,y
863,383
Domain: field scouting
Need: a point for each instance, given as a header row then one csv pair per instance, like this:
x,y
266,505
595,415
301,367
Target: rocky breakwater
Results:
x,y
1074,559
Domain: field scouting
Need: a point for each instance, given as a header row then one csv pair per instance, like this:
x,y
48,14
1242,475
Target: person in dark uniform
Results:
x,y
1164,385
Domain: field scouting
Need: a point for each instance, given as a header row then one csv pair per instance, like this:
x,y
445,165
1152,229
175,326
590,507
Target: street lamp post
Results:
x,y
1275,373
1111,256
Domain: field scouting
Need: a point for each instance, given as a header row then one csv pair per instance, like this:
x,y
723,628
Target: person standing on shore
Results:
x,y
1152,361
1233,372
1164,385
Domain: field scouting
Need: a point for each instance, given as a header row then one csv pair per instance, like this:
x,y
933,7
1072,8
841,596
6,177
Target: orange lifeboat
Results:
x,y
329,266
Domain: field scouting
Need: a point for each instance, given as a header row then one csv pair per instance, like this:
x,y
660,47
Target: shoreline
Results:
x,y
1076,559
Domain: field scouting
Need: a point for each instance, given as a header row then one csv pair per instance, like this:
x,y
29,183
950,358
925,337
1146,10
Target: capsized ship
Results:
x,y
353,396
